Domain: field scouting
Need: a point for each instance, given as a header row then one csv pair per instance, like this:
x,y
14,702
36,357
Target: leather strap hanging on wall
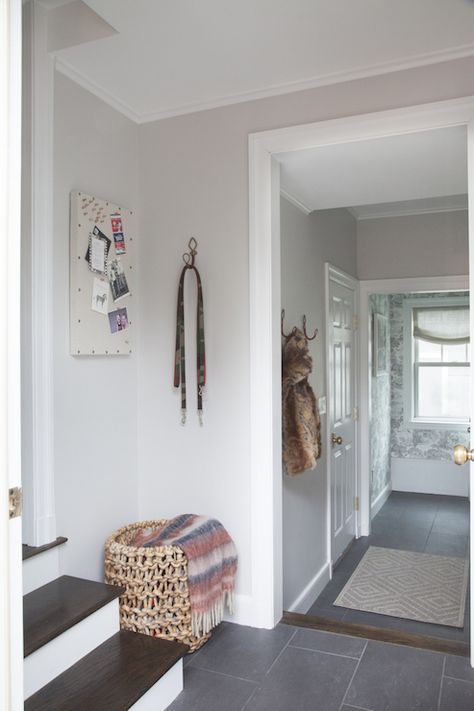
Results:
x,y
180,355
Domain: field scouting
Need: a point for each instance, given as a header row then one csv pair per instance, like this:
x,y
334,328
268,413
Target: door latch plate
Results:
x,y
15,501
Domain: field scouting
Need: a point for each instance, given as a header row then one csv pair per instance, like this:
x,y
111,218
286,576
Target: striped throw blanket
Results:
x,y
212,564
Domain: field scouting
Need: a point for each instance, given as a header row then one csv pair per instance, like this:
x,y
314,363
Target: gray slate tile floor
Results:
x,y
424,523
295,669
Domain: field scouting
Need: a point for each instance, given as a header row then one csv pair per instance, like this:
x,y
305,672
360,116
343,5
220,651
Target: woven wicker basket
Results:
x,y
156,599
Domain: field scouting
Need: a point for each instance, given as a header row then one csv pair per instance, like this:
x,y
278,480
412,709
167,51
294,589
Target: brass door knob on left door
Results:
x,y
335,439
461,454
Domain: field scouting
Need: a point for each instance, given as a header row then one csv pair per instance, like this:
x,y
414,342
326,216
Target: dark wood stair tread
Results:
x,y
30,551
112,677
54,608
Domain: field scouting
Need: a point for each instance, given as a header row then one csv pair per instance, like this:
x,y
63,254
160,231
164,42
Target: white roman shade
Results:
x,y
445,325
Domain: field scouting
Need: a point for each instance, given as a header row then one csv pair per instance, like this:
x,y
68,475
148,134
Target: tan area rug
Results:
x,y
415,586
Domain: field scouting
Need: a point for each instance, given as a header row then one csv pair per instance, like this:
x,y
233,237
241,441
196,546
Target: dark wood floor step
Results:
x,y
31,551
56,607
111,678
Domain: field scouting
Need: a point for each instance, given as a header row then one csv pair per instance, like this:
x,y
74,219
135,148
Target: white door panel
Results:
x,y
341,310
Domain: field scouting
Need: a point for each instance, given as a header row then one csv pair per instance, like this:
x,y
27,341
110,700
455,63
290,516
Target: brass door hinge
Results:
x,y
15,501
356,503
355,323
355,413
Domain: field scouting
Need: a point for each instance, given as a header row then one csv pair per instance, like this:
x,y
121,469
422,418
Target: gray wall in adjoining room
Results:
x,y
307,242
432,244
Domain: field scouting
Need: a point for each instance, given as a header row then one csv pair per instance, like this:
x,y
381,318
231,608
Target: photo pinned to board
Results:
x,y
117,231
98,251
118,280
100,296
118,320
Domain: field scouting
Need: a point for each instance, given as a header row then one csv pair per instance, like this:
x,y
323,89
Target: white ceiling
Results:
x,y
427,169
175,56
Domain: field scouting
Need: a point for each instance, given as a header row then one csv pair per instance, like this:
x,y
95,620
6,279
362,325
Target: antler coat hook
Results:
x,y
308,338
293,330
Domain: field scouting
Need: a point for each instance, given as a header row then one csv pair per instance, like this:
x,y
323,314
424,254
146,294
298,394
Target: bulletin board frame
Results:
x,y
101,284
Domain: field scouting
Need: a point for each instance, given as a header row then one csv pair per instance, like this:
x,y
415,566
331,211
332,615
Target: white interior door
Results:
x,y
341,315
11,635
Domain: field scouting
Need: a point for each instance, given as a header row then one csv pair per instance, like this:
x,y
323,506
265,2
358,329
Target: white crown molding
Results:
x,y
352,211
294,201
274,90
408,213
98,91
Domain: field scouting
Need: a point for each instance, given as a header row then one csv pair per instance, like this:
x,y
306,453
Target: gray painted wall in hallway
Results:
x,y
307,242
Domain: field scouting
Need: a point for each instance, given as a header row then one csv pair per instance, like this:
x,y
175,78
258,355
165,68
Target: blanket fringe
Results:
x,y
204,622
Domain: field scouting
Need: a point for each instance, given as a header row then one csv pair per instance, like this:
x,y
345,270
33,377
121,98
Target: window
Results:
x,y
437,357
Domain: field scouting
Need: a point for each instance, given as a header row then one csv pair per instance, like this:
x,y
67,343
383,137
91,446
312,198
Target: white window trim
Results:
x,y
410,421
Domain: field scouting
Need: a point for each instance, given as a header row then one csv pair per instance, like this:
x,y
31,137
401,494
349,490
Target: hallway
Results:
x,y
423,523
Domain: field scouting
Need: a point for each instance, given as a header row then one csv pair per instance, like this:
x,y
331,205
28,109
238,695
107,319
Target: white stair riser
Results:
x,y
164,692
40,570
62,652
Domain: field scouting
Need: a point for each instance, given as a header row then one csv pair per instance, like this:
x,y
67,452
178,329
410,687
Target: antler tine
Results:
x,y
308,338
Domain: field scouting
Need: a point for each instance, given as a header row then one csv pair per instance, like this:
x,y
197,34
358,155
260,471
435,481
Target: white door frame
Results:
x,y
332,271
11,618
264,296
408,285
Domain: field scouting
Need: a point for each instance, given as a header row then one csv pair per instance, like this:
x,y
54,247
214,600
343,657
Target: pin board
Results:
x,y
102,237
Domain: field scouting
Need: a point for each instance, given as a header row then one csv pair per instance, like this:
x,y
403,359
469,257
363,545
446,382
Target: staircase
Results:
x,y
77,658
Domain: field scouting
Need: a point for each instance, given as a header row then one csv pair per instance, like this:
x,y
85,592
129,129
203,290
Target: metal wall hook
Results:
x,y
308,338
293,331
285,335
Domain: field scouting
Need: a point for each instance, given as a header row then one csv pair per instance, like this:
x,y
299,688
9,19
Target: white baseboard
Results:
x,y
244,611
379,500
309,594
429,476
164,692
40,570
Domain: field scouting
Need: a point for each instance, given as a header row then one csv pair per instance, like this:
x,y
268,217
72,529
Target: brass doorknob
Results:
x,y
335,439
461,454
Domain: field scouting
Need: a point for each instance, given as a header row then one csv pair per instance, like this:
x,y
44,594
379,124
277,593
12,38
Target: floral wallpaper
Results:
x,y
405,442
380,413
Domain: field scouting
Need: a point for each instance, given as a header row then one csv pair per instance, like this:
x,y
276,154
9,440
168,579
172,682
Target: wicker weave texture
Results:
x,y
156,599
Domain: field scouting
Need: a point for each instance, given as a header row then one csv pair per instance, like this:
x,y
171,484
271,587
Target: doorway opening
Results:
x,y
412,568
420,205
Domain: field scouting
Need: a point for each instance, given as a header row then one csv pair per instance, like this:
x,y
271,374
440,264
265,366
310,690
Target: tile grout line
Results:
x,y
322,651
279,655
353,676
441,685
431,529
359,708
258,686
455,678
219,673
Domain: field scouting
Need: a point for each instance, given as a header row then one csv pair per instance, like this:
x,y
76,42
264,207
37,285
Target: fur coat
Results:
x,y
301,421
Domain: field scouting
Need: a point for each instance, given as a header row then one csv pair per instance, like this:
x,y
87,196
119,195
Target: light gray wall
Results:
x,y
95,398
307,242
379,411
435,244
194,181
